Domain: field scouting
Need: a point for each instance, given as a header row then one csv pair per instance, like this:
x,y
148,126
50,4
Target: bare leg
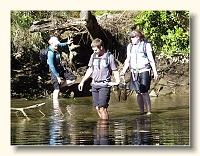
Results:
x,y
98,111
147,102
55,95
140,102
55,104
67,83
103,112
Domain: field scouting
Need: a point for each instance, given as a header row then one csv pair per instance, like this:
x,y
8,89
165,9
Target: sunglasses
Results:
x,y
133,36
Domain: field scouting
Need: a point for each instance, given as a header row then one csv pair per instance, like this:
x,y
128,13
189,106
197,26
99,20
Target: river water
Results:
x,y
75,122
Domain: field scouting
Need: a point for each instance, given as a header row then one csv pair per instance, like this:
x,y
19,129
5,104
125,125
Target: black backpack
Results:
x,y
44,55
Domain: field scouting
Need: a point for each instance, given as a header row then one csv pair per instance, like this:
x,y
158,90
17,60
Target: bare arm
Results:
x,y
152,62
87,75
127,61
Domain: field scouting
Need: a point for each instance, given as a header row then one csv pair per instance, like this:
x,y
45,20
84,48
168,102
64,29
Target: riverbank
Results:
x,y
33,82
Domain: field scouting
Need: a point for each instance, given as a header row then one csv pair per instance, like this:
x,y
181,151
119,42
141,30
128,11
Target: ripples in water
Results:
x,y
75,122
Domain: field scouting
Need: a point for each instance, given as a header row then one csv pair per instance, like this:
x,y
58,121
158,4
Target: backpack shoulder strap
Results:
x,y
108,58
131,46
93,56
145,47
54,54
108,66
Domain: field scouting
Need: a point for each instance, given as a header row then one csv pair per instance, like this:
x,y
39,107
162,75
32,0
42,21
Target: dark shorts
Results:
x,y
65,74
144,79
101,96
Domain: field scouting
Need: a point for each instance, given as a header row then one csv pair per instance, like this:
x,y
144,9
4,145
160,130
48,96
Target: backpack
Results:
x,y
144,49
107,62
145,53
44,55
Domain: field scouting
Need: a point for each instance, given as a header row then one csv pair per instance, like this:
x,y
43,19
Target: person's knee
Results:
x,y
69,81
56,90
139,95
145,94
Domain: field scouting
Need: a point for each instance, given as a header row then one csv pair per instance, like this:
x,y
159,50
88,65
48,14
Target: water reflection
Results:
x,y
55,126
133,131
101,133
142,135
121,132
75,122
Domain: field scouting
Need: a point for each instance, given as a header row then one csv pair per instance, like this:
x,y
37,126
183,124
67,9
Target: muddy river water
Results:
x,y
75,122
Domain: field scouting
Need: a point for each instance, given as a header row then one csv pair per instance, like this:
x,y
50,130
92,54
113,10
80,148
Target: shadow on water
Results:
x,y
75,122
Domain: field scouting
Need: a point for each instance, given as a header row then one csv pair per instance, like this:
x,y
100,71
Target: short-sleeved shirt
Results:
x,y
101,70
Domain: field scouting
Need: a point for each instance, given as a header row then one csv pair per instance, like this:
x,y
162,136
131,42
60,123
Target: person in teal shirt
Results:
x,y
56,69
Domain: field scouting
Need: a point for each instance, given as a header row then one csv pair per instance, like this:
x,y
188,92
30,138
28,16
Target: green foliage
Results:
x,y
167,30
25,44
22,19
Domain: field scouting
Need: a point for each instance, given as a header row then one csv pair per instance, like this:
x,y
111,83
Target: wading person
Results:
x,y
140,61
56,69
101,66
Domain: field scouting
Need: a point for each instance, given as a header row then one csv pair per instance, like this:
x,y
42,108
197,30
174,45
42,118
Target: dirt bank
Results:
x,y
33,82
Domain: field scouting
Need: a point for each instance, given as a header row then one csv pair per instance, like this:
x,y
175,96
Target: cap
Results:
x,y
54,40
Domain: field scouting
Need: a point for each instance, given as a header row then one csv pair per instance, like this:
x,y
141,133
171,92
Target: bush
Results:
x,y
167,30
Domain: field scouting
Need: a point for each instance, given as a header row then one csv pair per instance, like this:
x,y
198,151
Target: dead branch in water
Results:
x,y
29,107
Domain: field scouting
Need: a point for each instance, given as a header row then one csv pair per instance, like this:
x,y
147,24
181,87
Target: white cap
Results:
x,y
54,40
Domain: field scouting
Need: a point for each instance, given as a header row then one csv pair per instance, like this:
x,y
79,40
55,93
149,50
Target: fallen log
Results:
x,y
29,107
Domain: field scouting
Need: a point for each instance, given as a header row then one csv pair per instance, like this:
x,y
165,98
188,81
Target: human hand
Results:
x,y
80,86
156,77
59,80
70,41
113,83
122,74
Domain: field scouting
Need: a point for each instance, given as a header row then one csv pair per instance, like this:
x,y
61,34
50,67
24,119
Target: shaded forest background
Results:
x,y
168,31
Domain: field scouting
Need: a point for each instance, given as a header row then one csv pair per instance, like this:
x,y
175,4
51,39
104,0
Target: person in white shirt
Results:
x,y
140,61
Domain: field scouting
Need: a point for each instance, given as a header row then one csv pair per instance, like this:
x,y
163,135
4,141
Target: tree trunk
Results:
x,y
93,27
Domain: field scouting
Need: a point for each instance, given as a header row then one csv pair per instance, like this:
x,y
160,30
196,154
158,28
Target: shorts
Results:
x,y
144,79
65,74
101,96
